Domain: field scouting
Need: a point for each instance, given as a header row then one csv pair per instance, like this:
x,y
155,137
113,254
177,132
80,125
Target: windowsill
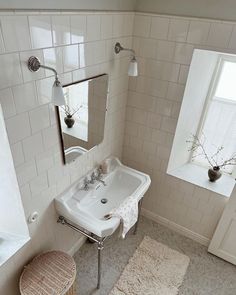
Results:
x,y
198,175
9,245
77,131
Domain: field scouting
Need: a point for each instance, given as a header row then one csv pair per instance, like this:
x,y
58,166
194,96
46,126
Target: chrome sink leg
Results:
x,y
139,213
99,241
100,248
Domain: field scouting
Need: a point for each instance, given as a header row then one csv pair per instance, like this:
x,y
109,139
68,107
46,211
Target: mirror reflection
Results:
x,y
82,119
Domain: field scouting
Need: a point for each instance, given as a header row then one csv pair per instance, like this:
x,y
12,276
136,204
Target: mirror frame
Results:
x,y
58,114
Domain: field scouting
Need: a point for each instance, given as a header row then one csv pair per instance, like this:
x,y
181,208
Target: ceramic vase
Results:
x,y
70,121
214,173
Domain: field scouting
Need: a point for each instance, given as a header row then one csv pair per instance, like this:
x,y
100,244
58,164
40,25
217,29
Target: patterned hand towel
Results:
x,y
128,214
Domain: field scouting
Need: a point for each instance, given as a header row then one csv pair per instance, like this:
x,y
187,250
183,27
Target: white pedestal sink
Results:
x,y
87,209
84,208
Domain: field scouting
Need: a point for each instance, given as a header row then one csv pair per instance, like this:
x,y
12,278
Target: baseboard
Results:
x,y
176,227
77,246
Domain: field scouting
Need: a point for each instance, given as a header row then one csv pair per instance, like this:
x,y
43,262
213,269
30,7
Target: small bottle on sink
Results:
x,y
105,166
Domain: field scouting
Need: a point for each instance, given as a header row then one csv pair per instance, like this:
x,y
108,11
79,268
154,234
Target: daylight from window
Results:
x,y
218,126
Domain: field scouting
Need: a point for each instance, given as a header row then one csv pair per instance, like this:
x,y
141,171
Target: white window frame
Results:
x,y
211,93
200,79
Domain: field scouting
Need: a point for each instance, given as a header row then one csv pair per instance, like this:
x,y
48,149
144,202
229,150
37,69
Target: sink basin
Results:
x,y
73,152
88,209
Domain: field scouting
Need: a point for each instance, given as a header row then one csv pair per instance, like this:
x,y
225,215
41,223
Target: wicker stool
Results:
x,y
50,273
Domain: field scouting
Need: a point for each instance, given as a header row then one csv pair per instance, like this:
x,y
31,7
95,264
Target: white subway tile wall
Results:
x,y
40,31
61,30
78,46
15,33
164,47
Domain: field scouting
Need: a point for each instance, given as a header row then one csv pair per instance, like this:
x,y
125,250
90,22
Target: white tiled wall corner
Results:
x,y
159,27
142,25
164,47
78,46
84,47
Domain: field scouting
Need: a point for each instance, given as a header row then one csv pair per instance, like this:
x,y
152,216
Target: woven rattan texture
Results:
x,y
51,273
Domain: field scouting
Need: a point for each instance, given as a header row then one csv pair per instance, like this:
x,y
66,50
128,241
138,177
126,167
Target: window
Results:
x,y
217,127
208,110
14,233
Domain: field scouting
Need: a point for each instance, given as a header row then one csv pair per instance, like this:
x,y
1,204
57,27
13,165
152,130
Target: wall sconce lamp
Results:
x,y
133,65
58,98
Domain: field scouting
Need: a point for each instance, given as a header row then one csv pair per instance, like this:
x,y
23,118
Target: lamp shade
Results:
x,y
58,98
133,68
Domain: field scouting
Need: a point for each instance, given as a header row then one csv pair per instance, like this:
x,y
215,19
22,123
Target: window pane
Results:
x,y
219,130
226,87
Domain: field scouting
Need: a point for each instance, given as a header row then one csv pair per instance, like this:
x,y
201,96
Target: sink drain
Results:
x,y
104,201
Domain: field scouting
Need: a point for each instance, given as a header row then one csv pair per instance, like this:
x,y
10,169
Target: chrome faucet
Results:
x,y
95,176
99,176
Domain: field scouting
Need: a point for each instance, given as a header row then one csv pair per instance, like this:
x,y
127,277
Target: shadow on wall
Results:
x,y
120,5
220,10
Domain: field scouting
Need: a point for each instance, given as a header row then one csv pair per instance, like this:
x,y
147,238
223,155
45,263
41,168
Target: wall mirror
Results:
x,y
82,120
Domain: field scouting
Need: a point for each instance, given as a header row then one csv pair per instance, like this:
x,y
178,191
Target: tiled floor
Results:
x,y
206,274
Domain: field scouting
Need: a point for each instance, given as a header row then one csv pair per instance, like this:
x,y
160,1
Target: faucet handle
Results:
x,y
93,177
86,184
99,171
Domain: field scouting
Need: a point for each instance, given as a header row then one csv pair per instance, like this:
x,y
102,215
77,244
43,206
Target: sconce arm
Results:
x,y
131,50
34,65
119,48
51,69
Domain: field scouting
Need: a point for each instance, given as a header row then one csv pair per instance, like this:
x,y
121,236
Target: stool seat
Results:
x,y
50,273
